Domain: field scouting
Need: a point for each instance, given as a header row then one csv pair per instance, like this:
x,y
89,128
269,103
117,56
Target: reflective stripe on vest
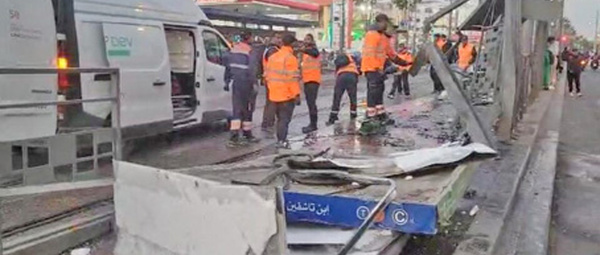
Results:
x,y
311,68
240,66
350,68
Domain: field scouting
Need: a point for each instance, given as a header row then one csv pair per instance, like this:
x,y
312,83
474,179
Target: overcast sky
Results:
x,y
582,14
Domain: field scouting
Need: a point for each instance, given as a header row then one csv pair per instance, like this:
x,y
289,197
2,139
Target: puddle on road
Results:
x,y
420,123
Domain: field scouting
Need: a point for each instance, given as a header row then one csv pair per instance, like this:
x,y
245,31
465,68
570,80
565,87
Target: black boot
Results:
x,y
235,140
250,137
312,127
309,129
385,119
332,119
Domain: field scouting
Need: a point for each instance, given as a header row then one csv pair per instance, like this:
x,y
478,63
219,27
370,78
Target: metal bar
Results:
x,y
116,119
451,7
457,96
56,187
56,71
67,102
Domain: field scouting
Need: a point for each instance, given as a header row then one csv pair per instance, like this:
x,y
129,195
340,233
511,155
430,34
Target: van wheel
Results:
x,y
170,138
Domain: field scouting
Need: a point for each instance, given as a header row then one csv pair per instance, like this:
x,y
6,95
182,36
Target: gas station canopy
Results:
x,y
262,7
227,15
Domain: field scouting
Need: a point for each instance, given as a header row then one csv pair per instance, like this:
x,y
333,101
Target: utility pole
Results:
x,y
596,31
343,28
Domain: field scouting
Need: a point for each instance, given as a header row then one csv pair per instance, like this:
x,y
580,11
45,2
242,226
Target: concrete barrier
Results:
x,y
163,212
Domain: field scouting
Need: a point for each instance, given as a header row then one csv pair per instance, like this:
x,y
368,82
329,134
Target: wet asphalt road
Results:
x,y
206,145
575,219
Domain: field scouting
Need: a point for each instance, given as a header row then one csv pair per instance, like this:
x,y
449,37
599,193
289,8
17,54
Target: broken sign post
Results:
x,y
457,96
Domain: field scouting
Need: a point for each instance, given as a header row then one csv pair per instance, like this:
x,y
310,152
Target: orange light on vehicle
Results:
x,y
62,63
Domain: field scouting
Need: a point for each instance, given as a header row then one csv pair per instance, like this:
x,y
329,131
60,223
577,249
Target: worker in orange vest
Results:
x,y
375,52
401,78
311,77
466,53
346,81
442,43
268,121
283,82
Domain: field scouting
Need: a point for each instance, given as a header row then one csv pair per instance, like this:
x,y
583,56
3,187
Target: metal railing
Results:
x,y
53,148
113,134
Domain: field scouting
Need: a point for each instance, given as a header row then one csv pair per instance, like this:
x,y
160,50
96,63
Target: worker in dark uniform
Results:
x,y
268,121
311,77
346,81
240,77
442,43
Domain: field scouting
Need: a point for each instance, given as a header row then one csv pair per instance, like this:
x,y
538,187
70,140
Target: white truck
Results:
x,y
171,74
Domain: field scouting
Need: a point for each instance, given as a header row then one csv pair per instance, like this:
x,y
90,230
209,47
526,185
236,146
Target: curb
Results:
x,y
483,235
534,206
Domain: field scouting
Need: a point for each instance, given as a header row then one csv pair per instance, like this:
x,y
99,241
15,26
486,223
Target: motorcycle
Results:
x,y
583,64
594,64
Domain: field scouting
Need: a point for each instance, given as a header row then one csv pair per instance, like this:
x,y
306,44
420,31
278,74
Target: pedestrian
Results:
x,y
401,79
444,46
467,54
547,67
555,50
240,77
574,69
283,82
311,77
268,121
346,81
376,50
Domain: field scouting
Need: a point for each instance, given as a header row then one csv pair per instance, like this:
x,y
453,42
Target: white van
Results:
x,y
169,58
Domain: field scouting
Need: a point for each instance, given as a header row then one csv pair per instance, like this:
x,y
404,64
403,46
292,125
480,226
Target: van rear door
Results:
x,y
28,39
141,53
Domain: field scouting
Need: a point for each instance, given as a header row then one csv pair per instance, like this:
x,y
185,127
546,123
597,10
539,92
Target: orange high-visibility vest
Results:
x,y
440,44
283,75
465,55
265,59
311,68
350,68
406,56
376,49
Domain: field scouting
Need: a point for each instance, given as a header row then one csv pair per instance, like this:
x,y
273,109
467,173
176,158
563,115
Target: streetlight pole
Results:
x,y
596,31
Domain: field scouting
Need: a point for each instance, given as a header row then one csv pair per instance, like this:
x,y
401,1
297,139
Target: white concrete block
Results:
x,y
163,212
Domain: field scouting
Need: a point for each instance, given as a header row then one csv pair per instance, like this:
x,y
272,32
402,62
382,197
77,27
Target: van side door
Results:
x,y
28,40
212,48
141,53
